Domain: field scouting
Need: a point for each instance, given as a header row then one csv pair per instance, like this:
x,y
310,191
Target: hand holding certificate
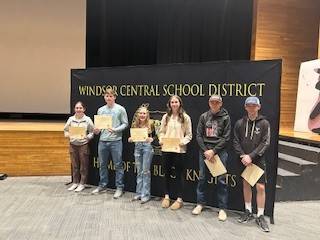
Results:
x,y
216,167
139,134
77,132
252,174
170,145
103,121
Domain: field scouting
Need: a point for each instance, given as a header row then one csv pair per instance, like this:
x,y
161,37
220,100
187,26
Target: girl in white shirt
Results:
x,y
175,124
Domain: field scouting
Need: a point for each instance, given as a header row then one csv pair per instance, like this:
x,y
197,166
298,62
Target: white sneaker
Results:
x,y
73,187
197,210
79,188
136,198
222,215
98,190
118,193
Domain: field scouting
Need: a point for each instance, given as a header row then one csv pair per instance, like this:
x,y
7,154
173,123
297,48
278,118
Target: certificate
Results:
x,y
170,145
77,132
139,134
103,121
252,174
216,168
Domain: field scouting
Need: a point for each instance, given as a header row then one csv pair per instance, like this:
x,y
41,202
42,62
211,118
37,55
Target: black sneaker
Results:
x,y
245,217
262,223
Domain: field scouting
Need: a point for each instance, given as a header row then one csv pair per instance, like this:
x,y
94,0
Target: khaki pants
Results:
x,y
80,161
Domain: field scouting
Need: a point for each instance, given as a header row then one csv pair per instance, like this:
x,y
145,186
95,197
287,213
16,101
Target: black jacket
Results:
x,y
213,131
252,137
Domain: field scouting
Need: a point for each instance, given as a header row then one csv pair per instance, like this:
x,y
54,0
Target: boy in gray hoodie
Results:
x,y
251,140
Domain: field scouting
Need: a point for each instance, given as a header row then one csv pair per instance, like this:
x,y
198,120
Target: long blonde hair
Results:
x,y
136,120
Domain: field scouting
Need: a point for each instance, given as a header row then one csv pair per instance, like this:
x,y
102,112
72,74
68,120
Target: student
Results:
x,y
143,153
175,124
110,142
79,149
213,134
251,140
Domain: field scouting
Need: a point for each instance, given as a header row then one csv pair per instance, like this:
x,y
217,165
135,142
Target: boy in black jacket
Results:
x,y
213,134
251,139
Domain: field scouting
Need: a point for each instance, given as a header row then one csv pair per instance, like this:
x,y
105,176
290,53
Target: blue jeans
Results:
x,y
143,153
104,150
204,174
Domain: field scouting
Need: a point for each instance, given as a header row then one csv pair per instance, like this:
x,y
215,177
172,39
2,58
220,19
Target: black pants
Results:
x,y
173,164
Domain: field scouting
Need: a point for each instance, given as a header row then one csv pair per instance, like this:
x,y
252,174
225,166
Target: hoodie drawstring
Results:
x,y
253,126
247,129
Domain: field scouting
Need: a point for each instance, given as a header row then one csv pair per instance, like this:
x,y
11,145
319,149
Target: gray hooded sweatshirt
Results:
x,y
252,137
213,131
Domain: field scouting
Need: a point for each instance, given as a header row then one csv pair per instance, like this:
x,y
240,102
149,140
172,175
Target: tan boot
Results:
x,y
165,203
222,215
176,205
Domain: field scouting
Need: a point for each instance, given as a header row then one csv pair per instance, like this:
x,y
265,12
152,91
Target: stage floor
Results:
x,y
42,208
309,137
32,125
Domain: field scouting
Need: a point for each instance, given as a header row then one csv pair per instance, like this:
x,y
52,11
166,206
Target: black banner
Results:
x,y
194,83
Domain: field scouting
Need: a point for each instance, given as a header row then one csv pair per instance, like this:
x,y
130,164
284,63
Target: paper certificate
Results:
x,y
77,132
139,134
170,145
252,174
103,121
216,168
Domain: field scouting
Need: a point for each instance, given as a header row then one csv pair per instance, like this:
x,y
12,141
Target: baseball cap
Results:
x,y
252,100
215,98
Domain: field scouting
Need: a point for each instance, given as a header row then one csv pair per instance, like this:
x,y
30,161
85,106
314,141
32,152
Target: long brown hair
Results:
x,y
181,111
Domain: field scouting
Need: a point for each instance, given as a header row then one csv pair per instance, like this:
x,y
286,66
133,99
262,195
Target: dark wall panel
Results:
x,y
126,32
